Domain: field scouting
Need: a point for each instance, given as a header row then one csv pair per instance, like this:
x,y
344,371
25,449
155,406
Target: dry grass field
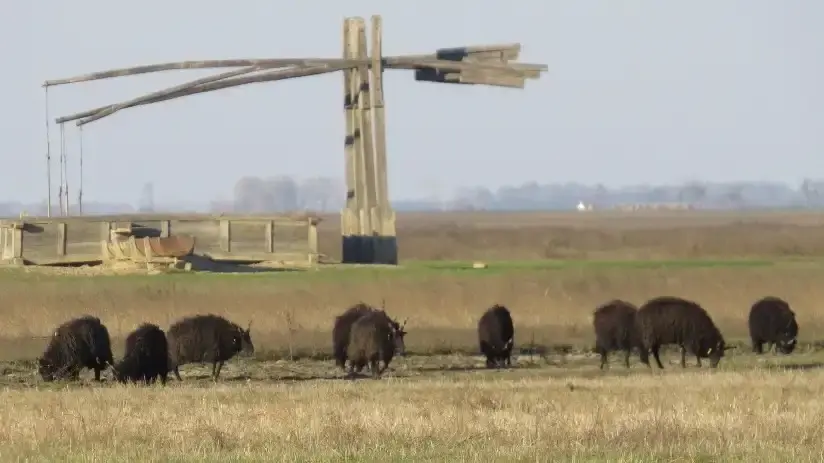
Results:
x,y
766,410
599,235
290,403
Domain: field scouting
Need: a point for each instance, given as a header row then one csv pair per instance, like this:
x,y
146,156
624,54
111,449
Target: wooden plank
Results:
x,y
482,53
469,78
382,182
205,232
312,243
490,79
270,236
271,75
105,231
165,228
366,139
225,235
252,237
352,198
298,219
361,184
61,239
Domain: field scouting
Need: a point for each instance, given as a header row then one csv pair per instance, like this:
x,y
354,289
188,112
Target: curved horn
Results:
x,y
249,326
383,303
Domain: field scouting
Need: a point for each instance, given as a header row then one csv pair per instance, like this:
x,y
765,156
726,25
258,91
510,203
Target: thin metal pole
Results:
x,y
66,176
80,191
48,157
62,154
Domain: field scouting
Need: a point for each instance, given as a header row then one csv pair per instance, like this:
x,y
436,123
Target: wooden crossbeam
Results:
x,y
367,221
478,65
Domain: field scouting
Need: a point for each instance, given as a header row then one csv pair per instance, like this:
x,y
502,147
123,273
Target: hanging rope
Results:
x,y
48,156
80,190
62,157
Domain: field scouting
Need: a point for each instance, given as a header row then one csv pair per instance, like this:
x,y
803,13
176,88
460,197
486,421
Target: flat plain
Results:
x,y
290,403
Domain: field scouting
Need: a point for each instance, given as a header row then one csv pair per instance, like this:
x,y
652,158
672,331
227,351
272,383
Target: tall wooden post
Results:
x,y
367,222
350,216
365,144
387,244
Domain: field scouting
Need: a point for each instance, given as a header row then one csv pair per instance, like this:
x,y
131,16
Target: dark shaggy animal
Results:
x,y
374,337
772,321
673,320
206,338
496,336
341,330
614,324
146,357
76,344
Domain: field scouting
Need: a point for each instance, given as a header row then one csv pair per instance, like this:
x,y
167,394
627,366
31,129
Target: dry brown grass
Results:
x,y
599,235
698,415
553,306
426,411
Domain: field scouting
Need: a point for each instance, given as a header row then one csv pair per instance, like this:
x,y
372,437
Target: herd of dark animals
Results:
x,y
620,326
366,337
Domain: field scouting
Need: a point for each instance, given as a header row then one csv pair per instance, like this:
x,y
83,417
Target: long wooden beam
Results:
x,y
389,62
505,73
162,93
268,76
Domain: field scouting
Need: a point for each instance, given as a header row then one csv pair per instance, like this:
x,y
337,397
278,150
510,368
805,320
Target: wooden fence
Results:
x,y
78,240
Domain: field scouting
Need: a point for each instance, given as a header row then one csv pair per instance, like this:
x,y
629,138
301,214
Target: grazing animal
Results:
x,y
772,321
614,324
206,338
374,337
673,320
341,330
496,336
146,357
76,344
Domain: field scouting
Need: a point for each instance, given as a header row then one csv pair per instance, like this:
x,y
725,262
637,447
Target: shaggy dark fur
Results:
x,y
206,338
496,336
374,337
614,324
772,321
341,330
146,356
76,344
673,320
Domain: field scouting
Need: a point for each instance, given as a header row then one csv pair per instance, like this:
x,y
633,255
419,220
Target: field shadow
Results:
x,y
807,366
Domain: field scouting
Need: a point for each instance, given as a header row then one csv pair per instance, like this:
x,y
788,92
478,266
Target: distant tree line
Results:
x,y
704,195
323,194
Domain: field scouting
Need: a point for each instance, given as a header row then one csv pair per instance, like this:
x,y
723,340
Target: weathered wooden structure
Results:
x,y
368,221
227,238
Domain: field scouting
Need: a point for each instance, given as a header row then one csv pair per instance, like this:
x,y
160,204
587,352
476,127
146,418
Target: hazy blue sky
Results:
x,y
637,91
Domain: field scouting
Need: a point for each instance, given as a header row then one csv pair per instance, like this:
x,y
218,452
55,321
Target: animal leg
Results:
x,y
698,359
683,357
643,356
216,369
627,353
655,351
374,368
177,374
757,346
603,353
97,373
163,377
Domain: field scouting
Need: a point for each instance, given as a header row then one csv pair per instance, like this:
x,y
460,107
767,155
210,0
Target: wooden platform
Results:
x,y
77,240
